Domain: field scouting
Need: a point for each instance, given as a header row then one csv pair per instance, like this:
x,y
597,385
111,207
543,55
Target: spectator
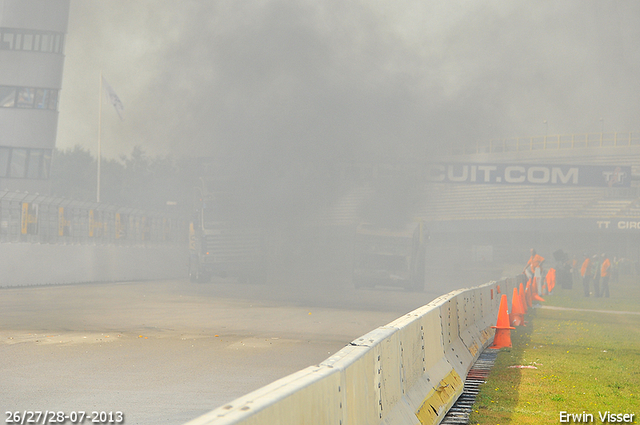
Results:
x,y
595,268
575,271
605,273
585,272
534,263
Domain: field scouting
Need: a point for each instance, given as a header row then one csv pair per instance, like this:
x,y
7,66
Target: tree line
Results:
x,y
269,191
138,180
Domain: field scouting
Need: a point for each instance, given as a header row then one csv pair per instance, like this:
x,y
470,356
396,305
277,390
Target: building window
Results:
x,y
7,97
5,154
28,97
42,99
31,40
34,164
27,42
47,43
46,164
7,41
25,97
36,43
57,46
53,100
19,163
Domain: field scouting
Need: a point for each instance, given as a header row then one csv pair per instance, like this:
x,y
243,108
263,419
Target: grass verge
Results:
x,y
584,362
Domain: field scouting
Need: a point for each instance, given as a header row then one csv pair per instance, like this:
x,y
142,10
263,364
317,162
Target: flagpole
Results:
x,y
99,141
115,101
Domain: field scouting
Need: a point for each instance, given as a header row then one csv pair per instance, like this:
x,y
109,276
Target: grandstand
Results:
x,y
345,210
571,144
512,218
484,202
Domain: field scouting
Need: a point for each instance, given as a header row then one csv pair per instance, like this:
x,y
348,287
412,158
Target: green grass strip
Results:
x,y
586,362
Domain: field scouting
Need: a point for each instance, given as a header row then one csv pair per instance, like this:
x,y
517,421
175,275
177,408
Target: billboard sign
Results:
x,y
531,174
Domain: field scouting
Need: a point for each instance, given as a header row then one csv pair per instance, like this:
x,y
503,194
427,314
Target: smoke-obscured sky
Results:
x,y
346,78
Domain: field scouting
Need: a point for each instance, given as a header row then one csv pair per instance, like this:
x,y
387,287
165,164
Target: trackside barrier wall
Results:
x,y
410,371
26,264
46,240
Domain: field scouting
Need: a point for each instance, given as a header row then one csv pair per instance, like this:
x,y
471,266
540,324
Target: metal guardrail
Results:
x,y
566,141
35,218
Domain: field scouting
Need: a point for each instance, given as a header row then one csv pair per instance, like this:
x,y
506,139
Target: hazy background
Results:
x,y
300,81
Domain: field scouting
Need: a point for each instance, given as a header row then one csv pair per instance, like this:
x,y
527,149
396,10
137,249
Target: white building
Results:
x,y
32,40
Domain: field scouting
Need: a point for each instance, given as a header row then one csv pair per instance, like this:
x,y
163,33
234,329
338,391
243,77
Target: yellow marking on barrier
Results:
x,y
485,335
24,218
63,223
29,219
473,349
439,398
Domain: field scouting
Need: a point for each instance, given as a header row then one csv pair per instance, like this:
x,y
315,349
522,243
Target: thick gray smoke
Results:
x,y
297,78
282,89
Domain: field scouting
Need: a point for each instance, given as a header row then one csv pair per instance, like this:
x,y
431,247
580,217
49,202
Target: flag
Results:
x,y
113,98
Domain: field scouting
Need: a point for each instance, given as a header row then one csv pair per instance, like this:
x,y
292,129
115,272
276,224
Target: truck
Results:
x,y
390,256
218,245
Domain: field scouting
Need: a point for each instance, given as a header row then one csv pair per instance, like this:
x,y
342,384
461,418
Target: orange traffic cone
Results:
x,y
498,289
551,280
523,301
516,315
528,295
534,292
502,337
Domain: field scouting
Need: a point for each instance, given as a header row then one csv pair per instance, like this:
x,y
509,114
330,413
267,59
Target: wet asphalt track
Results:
x,y
166,352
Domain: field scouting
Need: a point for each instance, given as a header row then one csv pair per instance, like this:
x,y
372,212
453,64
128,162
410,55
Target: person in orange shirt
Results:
x,y
596,262
534,268
605,273
585,272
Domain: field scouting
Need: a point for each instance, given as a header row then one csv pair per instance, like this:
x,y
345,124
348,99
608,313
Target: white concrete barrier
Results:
x,y
23,264
312,395
410,371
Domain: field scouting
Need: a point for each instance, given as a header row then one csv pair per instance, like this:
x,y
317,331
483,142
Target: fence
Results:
x,y
35,218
